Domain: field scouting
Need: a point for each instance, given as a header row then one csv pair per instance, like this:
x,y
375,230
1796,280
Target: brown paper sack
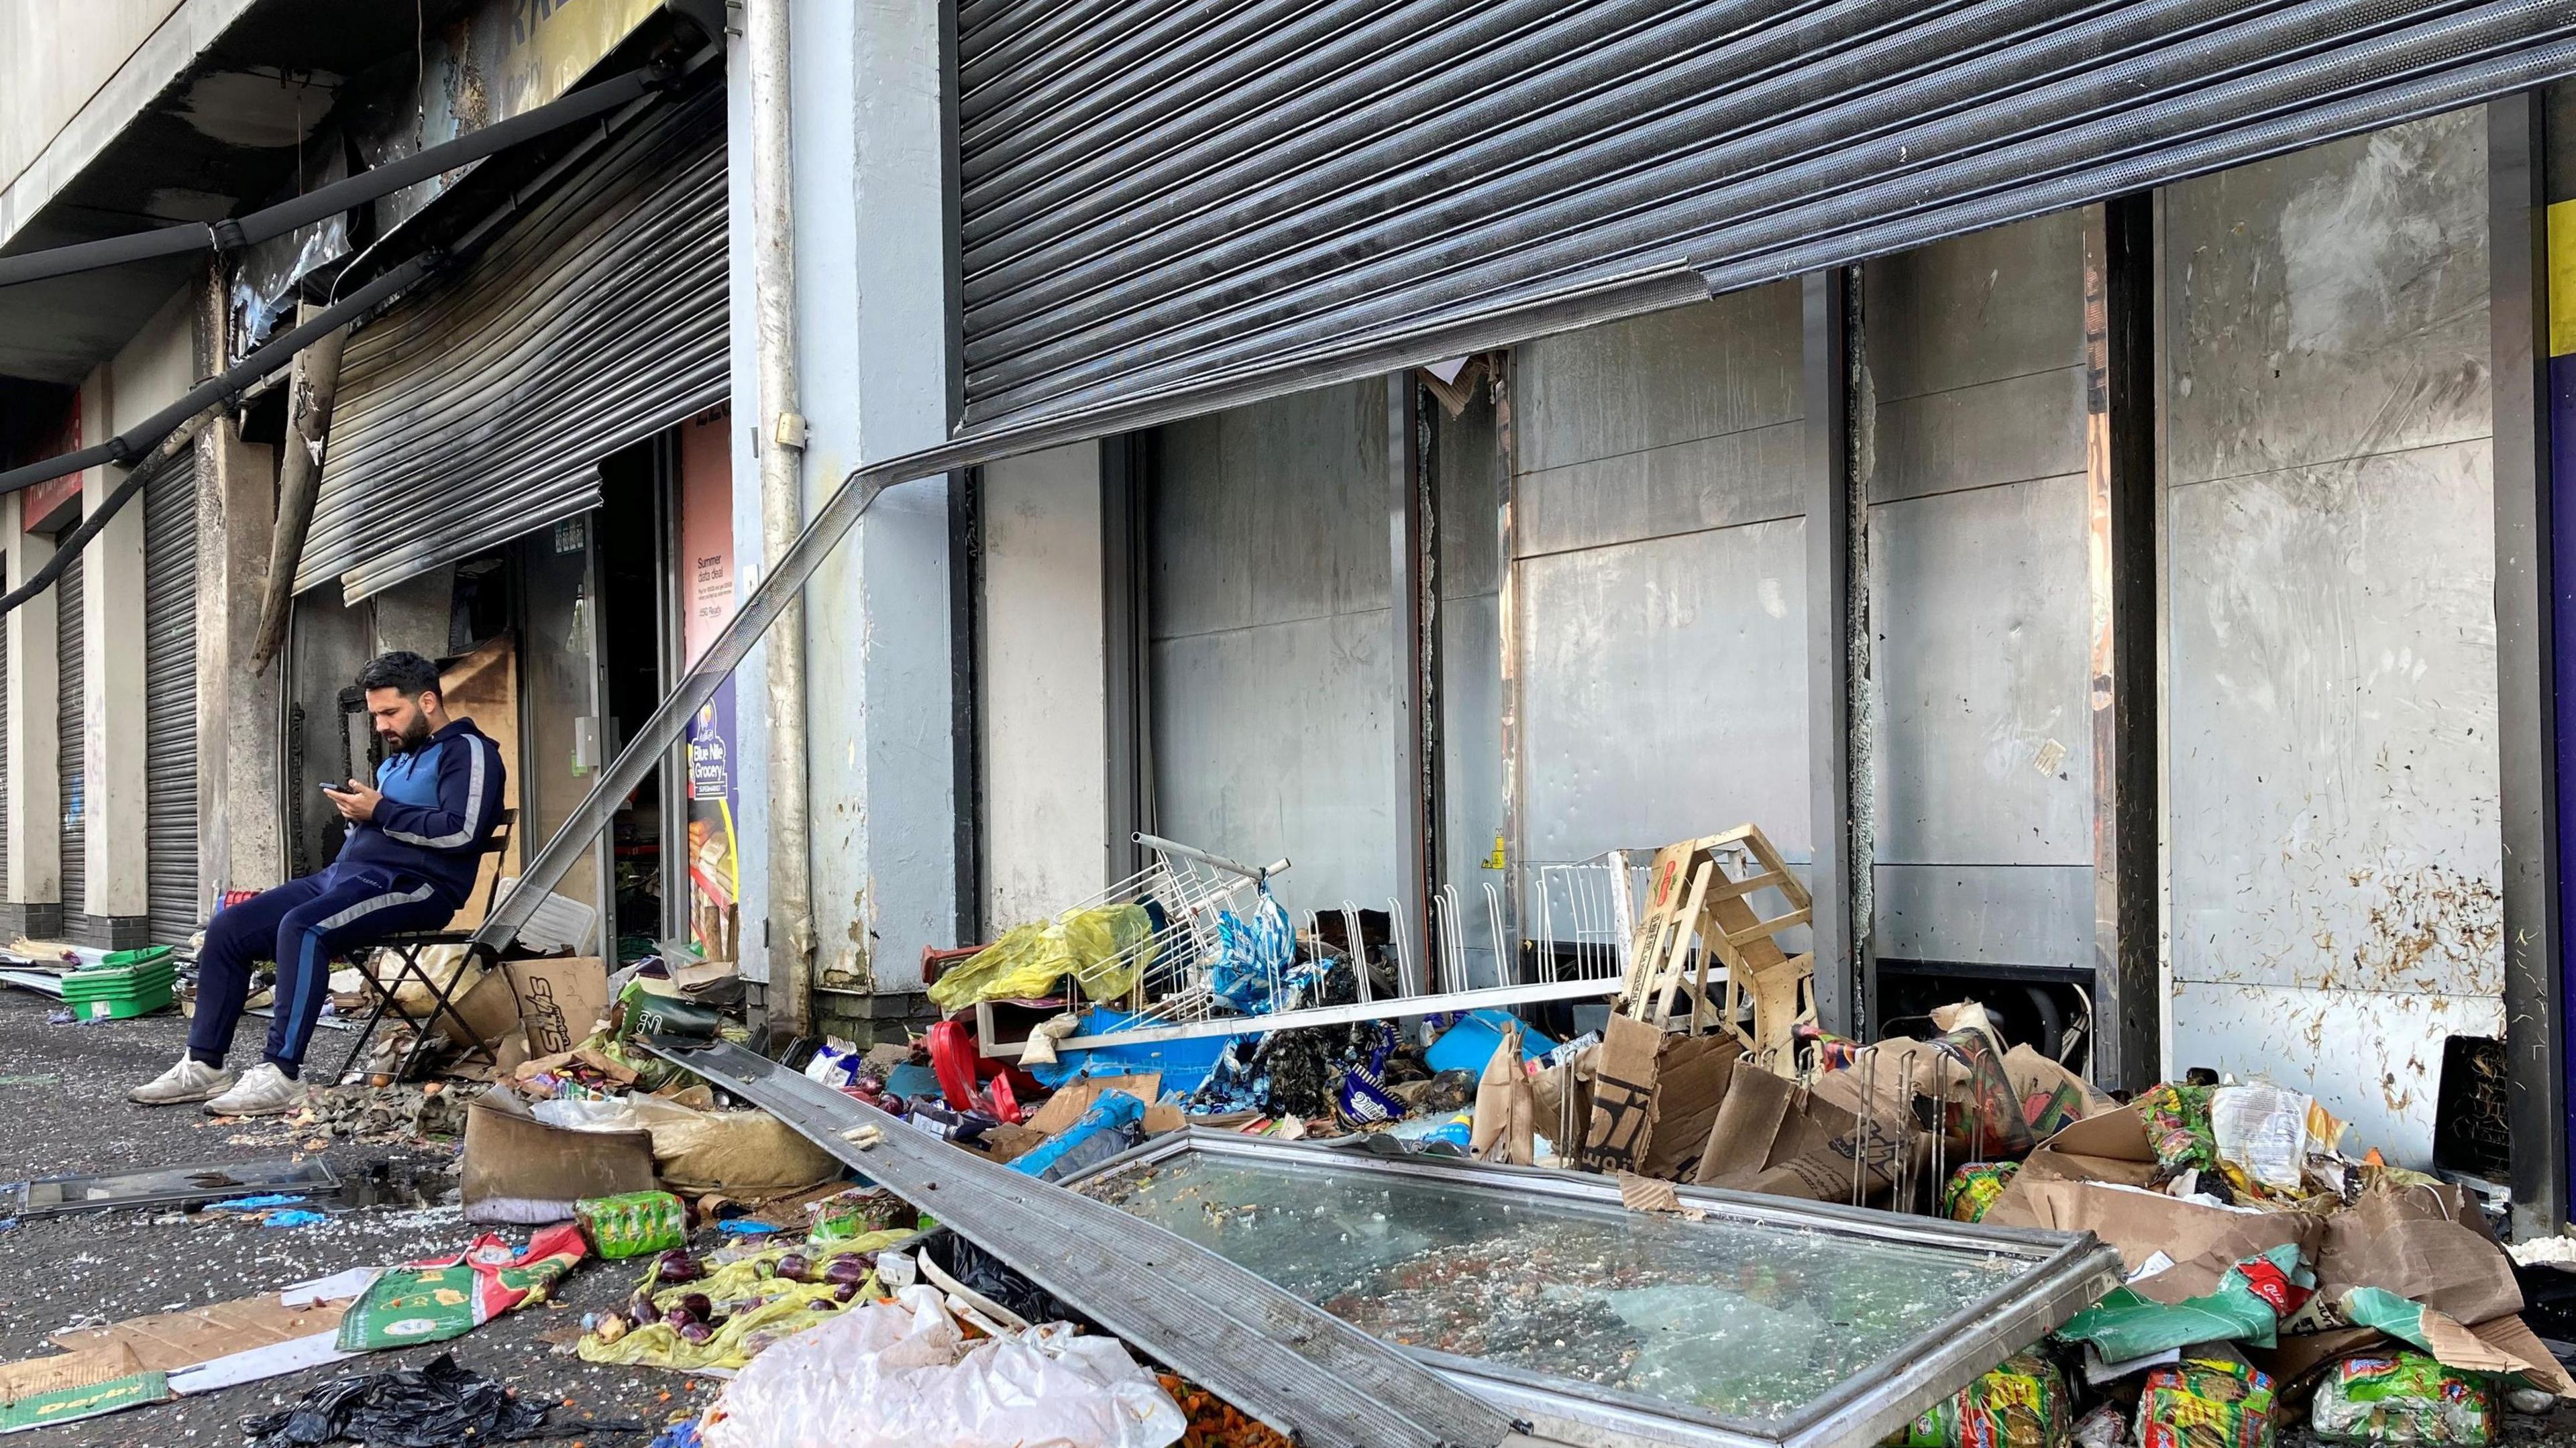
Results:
x,y
1506,1108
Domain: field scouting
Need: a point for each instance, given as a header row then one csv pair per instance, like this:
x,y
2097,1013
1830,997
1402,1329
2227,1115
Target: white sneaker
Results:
x,y
263,1090
190,1080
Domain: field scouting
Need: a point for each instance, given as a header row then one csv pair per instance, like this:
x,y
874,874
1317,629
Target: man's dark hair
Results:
x,y
403,670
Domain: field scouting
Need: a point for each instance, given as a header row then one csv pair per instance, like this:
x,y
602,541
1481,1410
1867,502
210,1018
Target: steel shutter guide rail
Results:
x,y
1277,1356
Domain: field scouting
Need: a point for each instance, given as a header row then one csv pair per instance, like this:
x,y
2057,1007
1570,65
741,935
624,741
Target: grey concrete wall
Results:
x,y
1661,579
1271,642
1044,708
2335,858
1979,602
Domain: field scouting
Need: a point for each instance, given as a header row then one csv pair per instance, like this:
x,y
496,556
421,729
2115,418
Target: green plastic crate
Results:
x,y
129,981
148,955
119,1007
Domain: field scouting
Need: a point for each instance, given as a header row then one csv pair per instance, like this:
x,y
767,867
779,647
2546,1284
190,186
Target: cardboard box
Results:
x,y
557,1002
560,1000
1654,1097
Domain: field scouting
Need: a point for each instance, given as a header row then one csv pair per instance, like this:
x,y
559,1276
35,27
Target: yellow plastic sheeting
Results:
x,y
1102,950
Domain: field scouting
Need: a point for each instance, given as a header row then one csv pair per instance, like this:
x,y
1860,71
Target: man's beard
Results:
x,y
407,740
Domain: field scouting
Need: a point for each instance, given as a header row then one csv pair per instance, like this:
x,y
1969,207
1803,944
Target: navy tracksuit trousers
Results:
x,y
300,925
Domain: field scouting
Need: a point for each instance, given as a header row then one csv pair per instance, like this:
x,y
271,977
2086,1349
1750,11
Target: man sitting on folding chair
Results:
x,y
408,864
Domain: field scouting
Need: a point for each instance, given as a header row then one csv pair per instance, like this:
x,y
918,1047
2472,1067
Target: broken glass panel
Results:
x,y
162,1187
1755,1319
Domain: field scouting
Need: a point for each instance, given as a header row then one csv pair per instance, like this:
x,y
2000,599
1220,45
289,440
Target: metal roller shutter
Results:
x,y
1158,196
71,744
478,411
170,702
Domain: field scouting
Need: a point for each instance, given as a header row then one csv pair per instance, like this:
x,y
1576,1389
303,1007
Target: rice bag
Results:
x,y
2403,1398
2021,1403
2205,1403
1972,1189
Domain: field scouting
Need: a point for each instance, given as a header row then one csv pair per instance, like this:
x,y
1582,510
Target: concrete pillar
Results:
x,y
34,783
239,713
871,318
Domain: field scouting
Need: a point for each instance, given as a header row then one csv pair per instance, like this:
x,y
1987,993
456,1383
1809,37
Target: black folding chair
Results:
x,y
407,949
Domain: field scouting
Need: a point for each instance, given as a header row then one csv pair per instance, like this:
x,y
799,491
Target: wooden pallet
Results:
x,y
1703,889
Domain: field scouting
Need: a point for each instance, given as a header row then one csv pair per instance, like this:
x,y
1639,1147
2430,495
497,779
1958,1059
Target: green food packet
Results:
x,y
2403,1398
633,1224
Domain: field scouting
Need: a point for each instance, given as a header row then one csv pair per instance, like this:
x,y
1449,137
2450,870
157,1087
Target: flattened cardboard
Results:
x,y
2111,1147
41,1392
2411,1242
2202,1242
2506,1345
1078,1096
169,1341
85,1368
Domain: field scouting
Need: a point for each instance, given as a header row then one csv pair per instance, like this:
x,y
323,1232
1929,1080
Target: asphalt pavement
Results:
x,y
63,1110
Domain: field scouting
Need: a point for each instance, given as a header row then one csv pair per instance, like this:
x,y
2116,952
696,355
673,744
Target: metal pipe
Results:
x,y
782,508
124,448
339,196
308,423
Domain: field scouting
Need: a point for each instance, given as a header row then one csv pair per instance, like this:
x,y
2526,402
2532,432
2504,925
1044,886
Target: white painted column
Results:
x,y
112,646
34,783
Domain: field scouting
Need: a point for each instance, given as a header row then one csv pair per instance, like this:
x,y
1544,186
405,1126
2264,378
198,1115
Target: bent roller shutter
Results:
x,y
170,702
70,750
1156,195
478,411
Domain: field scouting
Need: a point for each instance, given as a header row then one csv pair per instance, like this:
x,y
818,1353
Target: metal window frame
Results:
x,y
1846,974
2066,1273
2530,761
2122,570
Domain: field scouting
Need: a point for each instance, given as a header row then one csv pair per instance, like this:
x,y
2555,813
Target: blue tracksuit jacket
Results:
x,y
440,802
